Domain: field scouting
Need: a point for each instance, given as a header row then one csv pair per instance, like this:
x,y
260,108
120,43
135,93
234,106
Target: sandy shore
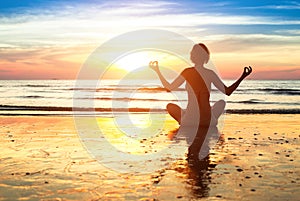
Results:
x,y
42,158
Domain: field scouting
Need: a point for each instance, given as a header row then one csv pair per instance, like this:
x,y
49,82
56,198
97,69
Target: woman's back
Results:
x,y
198,98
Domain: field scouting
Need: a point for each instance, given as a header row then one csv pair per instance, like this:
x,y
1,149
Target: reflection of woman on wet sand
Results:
x,y
198,84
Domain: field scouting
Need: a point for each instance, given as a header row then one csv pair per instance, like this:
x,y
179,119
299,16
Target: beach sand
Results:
x,y
42,158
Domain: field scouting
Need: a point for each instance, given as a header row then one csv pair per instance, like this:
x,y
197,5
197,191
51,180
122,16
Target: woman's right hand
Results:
x,y
154,65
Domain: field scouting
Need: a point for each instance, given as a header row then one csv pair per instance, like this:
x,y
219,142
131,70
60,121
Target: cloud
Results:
x,y
278,74
288,32
248,43
288,6
86,23
5,71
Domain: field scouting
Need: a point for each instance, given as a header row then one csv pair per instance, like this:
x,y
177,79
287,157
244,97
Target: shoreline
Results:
x,y
107,111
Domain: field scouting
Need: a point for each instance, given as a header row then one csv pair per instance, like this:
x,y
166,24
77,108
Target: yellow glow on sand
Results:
x,y
133,145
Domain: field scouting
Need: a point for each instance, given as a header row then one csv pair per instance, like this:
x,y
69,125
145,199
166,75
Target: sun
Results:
x,y
141,59
133,61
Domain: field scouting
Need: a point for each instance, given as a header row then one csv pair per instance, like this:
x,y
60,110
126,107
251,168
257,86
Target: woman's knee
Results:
x,y
218,108
171,106
221,103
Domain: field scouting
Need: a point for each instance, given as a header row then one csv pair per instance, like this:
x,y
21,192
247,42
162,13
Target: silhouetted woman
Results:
x,y
198,85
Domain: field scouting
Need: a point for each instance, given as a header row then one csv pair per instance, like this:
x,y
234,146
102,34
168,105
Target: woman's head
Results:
x,y
200,54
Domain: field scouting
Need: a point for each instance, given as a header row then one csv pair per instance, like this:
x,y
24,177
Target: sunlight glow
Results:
x,y
135,60
140,59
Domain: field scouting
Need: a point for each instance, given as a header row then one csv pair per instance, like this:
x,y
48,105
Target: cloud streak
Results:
x,y
86,24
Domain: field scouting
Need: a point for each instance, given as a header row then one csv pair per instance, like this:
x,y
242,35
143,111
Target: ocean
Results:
x,y
62,97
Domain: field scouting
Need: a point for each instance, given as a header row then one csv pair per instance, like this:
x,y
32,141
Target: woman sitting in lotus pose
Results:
x,y
198,85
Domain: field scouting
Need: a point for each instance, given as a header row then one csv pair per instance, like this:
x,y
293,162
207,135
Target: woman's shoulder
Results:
x,y
203,71
208,72
187,70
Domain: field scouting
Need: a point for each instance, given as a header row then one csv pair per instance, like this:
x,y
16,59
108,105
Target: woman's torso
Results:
x,y
198,88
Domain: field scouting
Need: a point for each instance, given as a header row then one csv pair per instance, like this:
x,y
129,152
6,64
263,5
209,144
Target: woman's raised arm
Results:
x,y
229,90
168,86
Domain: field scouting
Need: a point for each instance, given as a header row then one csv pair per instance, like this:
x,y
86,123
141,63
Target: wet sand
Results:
x,y
42,158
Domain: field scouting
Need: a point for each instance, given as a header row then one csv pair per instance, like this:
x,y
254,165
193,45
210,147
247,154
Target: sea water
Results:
x,y
42,97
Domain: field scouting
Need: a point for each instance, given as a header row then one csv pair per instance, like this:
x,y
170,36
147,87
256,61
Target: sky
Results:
x,y
51,39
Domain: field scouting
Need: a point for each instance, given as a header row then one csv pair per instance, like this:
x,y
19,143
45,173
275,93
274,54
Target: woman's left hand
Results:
x,y
247,71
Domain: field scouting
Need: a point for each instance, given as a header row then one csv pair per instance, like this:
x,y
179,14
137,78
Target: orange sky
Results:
x,y
56,64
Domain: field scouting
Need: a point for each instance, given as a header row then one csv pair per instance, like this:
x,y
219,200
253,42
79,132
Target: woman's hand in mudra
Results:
x,y
247,71
154,65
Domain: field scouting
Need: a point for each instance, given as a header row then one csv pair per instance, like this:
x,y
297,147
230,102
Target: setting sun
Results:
x,y
142,58
135,60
